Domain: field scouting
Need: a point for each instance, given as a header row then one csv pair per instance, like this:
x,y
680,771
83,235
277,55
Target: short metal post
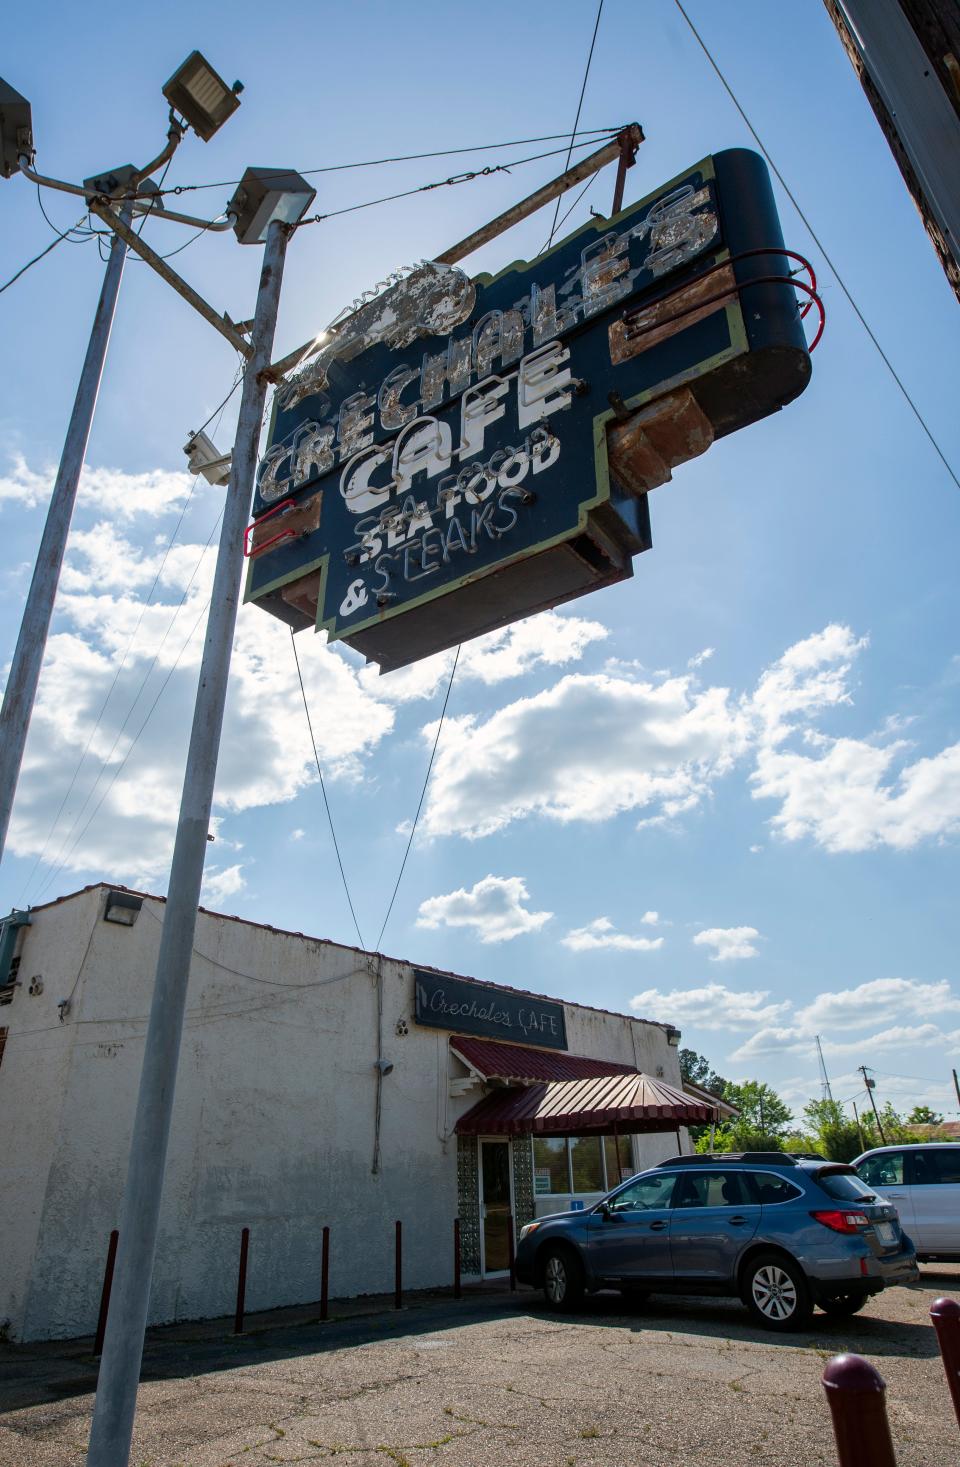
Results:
x,y
105,1292
398,1266
457,1291
21,689
325,1274
856,1394
242,1282
945,1314
116,1400
511,1253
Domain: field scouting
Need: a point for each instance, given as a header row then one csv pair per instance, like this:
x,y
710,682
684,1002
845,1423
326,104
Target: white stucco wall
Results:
x,y
274,1119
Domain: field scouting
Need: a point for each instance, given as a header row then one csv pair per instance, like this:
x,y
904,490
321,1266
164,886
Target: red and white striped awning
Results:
x,y
593,1106
491,1059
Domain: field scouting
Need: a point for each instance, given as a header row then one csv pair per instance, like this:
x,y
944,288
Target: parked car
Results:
x,y
780,1232
923,1183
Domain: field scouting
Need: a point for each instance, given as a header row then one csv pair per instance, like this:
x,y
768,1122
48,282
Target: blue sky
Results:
x,y
727,791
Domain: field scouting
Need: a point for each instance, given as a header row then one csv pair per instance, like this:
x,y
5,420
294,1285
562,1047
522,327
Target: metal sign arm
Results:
x,y
219,323
629,137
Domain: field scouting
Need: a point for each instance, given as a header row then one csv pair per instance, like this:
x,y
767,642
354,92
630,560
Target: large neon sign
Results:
x,y
465,452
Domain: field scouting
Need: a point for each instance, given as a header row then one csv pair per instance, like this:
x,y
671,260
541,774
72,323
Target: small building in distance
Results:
x,y
319,1085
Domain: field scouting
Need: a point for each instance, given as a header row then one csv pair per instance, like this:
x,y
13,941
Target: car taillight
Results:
x,y
842,1222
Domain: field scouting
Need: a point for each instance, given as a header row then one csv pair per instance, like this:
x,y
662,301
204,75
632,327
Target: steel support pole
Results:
x,y
116,1398
21,690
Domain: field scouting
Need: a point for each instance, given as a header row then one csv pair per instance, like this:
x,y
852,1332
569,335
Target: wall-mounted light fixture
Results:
x,y
265,194
122,907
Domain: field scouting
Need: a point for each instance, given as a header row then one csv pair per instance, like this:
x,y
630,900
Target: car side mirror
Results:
x,y
604,1209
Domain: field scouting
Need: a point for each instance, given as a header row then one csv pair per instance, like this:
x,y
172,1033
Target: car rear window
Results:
x,y
770,1189
845,1186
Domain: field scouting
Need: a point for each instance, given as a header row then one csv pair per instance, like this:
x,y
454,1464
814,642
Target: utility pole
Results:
x,y
871,1086
123,1344
21,690
907,56
856,1117
956,1085
824,1077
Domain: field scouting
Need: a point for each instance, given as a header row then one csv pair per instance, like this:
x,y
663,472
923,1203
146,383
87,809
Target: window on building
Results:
x,y
586,1163
618,1155
580,1163
550,1165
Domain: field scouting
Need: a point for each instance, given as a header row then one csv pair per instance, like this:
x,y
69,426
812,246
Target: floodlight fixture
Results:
x,y
16,130
204,459
266,194
201,96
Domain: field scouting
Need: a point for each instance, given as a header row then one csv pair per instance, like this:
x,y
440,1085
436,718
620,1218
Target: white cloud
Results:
x,y
601,933
297,834
848,798
880,1001
809,677
111,491
493,908
728,943
710,1007
789,1041
586,749
699,658
650,919
219,886
549,639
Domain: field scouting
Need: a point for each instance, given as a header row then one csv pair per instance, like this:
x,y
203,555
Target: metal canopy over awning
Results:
x,y
491,1059
596,1106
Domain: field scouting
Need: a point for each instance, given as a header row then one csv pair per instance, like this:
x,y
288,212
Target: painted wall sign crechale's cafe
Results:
x,y
462,452
442,1002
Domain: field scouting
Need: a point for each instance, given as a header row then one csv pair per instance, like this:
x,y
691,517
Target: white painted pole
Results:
x,y
116,1400
21,691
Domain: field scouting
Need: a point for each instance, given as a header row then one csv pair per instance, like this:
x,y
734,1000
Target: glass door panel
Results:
x,y
496,1204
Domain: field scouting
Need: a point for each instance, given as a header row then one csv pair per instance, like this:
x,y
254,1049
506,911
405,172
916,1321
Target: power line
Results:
x,y
323,791
416,818
552,137
593,42
557,227
85,233
441,183
37,258
813,235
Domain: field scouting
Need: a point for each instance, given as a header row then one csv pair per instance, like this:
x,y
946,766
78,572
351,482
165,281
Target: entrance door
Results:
x,y
495,1204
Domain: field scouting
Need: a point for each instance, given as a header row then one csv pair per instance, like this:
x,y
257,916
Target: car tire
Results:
x,y
841,1306
776,1292
563,1280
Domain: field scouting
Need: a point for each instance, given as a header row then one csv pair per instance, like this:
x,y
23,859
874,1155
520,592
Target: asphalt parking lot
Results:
x,y
495,1379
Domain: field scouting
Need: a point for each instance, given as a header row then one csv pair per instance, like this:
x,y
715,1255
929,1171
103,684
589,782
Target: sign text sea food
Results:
x,y
471,1008
449,423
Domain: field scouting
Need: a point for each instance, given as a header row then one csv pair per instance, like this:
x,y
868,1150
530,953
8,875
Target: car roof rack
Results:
x,y
761,1158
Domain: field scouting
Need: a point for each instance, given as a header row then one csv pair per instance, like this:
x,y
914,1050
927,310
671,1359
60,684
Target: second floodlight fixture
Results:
x,y
16,130
266,194
201,96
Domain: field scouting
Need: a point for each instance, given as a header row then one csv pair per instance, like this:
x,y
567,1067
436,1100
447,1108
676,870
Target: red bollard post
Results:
x,y
398,1267
325,1274
457,1291
856,1395
105,1292
945,1314
241,1282
511,1253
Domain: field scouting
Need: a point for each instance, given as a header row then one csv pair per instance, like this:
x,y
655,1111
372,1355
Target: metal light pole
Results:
x,y
123,1346
21,689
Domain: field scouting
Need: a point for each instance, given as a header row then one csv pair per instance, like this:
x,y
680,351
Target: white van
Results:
x,y
923,1183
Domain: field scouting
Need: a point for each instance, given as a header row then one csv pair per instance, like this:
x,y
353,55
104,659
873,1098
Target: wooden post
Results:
x,y
241,1282
945,1314
105,1292
511,1252
325,1274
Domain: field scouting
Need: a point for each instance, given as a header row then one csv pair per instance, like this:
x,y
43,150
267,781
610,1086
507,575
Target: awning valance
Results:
x,y
491,1059
586,1107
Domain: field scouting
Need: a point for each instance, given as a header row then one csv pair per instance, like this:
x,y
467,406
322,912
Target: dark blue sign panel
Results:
x,y
473,1008
463,452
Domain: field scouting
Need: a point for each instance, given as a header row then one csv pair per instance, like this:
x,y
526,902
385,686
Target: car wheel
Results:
x,y
562,1279
843,1305
776,1292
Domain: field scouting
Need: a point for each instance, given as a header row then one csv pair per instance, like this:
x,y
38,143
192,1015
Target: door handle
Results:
x,y
657,1227
736,1222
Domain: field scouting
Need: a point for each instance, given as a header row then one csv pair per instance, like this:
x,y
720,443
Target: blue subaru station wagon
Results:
x,y
780,1232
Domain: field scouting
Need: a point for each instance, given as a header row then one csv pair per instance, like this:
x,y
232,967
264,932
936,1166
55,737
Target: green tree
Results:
x,y
763,1118
922,1115
699,1071
835,1134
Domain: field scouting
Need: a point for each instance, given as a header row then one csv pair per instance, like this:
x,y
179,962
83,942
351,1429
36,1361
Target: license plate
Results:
x,y
886,1232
